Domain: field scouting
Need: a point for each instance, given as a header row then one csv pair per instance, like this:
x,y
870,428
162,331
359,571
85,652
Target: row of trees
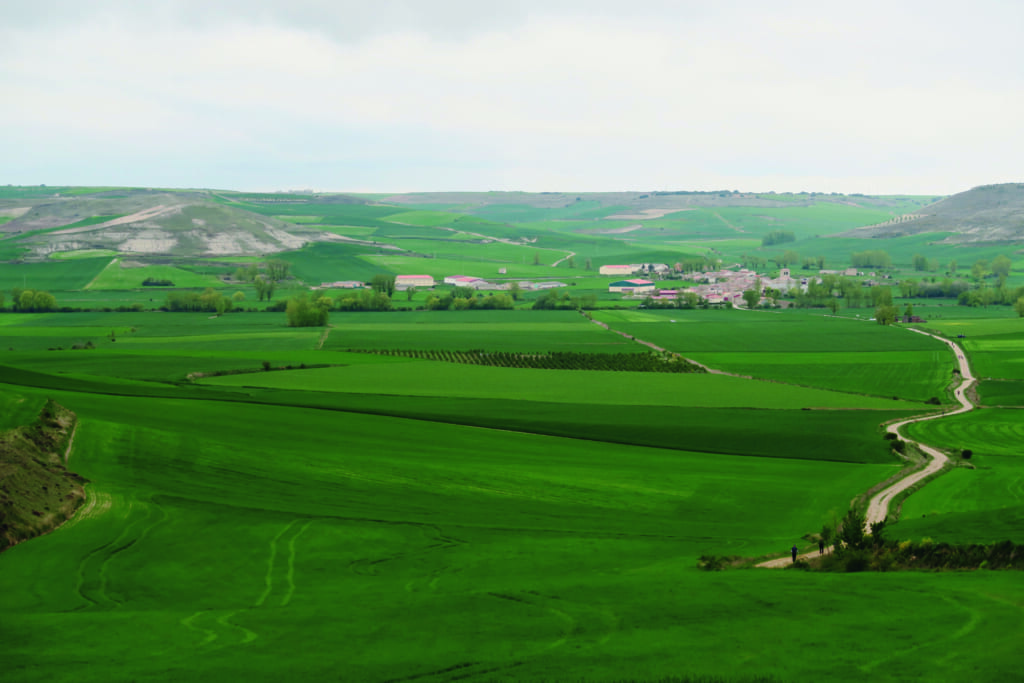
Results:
x,y
30,301
273,269
209,301
305,311
553,300
555,360
453,302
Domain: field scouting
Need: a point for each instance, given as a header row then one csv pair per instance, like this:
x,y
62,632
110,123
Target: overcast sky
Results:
x,y
571,95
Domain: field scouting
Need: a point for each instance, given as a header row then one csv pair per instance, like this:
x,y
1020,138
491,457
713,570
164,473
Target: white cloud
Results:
x,y
563,94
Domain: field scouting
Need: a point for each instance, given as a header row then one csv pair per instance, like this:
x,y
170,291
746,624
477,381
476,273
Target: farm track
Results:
x,y
436,540
878,506
71,442
216,625
655,347
93,583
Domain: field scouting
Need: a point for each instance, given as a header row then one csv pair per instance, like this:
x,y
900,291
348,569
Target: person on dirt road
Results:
x,y
821,546
793,550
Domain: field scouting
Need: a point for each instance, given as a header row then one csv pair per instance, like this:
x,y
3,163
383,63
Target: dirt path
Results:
x,y
788,559
564,258
71,442
878,506
711,371
734,227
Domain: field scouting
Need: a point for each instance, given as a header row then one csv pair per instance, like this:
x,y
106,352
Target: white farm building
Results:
x,y
407,281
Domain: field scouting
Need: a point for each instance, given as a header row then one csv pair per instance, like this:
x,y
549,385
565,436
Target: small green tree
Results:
x,y
536,258
301,312
751,298
885,315
515,291
851,529
1019,307
238,297
1001,266
277,269
384,284
410,292
588,265
262,286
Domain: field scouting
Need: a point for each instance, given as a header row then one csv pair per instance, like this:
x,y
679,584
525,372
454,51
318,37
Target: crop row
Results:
x,y
555,360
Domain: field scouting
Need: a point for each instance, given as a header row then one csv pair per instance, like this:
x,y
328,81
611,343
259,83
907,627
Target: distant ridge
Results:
x,y
989,213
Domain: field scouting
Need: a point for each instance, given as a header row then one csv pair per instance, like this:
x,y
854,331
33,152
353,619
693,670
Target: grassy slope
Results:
x,y
116,276
238,536
399,555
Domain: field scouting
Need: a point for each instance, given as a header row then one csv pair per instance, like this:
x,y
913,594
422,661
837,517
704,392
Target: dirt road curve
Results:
x,y
878,507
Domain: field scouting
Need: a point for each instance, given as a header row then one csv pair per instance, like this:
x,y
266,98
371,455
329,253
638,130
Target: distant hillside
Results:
x,y
990,213
637,201
153,222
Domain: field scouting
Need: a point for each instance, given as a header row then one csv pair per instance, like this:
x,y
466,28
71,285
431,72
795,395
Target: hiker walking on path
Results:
x,y
821,546
793,550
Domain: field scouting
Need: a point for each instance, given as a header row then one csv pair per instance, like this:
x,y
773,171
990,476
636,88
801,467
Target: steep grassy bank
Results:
x,y
37,492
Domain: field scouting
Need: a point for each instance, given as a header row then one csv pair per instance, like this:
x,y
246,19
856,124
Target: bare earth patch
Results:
x,y
644,214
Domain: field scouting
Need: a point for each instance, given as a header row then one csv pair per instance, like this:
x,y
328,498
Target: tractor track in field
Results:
x,y
575,626
93,583
436,540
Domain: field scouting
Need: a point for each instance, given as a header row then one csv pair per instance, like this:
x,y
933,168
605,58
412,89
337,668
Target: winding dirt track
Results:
x,y
878,506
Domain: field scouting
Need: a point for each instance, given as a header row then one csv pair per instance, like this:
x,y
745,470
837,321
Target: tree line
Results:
x,y
30,301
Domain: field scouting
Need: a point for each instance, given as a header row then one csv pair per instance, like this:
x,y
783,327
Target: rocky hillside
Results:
x,y
146,222
990,213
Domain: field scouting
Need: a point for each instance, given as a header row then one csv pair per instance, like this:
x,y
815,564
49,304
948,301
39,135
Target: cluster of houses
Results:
x,y
714,287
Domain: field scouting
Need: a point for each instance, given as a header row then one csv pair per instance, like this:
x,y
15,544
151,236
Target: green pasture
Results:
x,y
410,377
387,518
470,249
467,330
840,354
440,268
117,275
331,262
989,432
1001,392
995,342
838,250
51,276
153,331
911,375
982,504
214,539
764,331
83,253
17,409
